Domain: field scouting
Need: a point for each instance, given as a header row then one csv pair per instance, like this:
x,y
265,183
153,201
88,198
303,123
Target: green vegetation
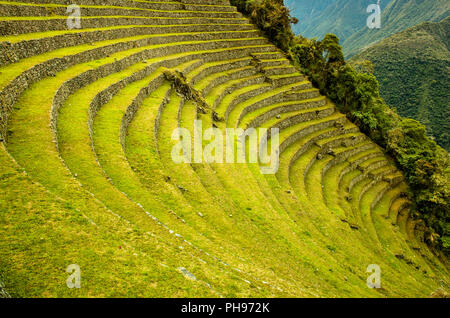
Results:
x,y
87,175
413,70
347,19
397,16
319,17
272,17
356,94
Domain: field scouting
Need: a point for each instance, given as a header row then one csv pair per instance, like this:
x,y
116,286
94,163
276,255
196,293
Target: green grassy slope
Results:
x,y
87,175
413,70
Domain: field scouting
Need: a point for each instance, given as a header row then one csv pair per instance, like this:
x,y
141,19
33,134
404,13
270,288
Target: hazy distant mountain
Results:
x,y
347,19
397,16
319,17
307,12
413,68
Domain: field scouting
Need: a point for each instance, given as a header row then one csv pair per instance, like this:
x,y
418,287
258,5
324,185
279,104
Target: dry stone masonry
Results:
x,y
89,113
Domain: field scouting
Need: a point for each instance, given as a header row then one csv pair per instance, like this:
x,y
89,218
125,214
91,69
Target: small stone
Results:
x,y
186,273
216,117
200,214
354,226
182,189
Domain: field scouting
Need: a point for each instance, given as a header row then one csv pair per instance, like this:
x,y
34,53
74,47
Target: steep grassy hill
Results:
x,y
413,68
87,176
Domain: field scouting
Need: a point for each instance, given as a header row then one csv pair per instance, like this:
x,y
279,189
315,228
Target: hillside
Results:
x,y
306,12
397,16
347,19
413,68
317,18
89,125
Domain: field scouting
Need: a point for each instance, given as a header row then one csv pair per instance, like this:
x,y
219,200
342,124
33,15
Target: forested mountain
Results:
x,y
317,18
413,70
396,17
412,67
347,19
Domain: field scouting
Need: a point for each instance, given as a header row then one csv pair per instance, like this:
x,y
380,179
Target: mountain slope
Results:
x,y
318,18
347,19
91,176
396,17
413,70
307,12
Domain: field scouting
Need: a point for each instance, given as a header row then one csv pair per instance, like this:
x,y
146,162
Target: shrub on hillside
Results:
x,y
272,17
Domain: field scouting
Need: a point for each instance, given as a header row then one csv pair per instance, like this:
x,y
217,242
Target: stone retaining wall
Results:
x,y
354,164
334,143
340,158
10,93
155,5
15,27
279,97
252,81
308,130
226,66
259,120
13,52
245,73
364,174
40,10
